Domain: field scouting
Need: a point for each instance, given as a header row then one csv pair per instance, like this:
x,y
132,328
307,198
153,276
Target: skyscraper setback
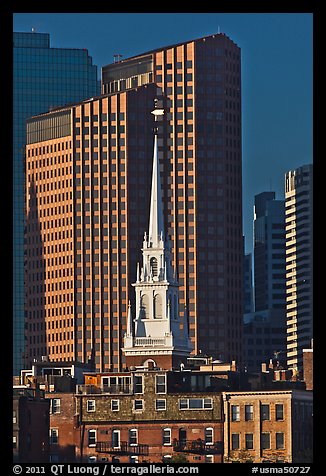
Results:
x,y
92,219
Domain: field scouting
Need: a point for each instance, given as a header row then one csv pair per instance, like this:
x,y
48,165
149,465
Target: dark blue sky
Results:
x,y
276,76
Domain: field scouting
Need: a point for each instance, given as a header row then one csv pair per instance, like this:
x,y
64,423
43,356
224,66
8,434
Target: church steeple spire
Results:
x,y
157,334
156,222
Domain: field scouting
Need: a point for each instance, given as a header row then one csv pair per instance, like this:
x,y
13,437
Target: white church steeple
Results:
x,y
157,332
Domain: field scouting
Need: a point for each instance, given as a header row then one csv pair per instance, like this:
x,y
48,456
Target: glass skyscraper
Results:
x,y
43,78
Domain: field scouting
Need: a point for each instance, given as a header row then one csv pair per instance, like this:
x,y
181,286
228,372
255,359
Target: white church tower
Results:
x,y
156,338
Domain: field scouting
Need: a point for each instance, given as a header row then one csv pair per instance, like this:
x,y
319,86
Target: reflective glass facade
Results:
x,y
43,77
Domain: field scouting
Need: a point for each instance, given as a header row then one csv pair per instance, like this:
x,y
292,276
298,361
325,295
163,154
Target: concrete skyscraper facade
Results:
x,y
109,149
265,328
299,262
43,77
269,252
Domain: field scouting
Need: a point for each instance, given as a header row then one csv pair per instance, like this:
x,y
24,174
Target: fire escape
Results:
x,y
122,450
197,447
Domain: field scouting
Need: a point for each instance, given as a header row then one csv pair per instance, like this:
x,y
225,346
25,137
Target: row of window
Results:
x,y
264,412
133,439
48,149
265,441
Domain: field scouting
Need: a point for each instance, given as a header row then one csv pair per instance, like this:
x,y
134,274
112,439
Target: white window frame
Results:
x,y
184,404
156,384
55,406
209,458
93,431
88,402
211,430
142,384
237,413
115,432
117,403
14,442
136,433
133,459
160,400
249,413
169,432
54,432
14,416
138,409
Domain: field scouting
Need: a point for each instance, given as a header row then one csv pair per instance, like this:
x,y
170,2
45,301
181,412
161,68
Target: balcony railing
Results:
x,y
123,449
101,389
197,446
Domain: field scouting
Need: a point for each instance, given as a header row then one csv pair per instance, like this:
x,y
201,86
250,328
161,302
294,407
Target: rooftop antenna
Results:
x,y
33,30
218,29
117,57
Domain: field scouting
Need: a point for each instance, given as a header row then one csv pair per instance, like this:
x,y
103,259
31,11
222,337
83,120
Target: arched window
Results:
x,y
154,267
144,306
157,306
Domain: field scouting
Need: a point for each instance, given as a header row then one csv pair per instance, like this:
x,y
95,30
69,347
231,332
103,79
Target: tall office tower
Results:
x,y
43,77
269,252
201,164
299,262
88,182
265,327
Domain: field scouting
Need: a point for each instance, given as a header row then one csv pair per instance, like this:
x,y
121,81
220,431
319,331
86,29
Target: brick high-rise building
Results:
x,y
202,178
89,169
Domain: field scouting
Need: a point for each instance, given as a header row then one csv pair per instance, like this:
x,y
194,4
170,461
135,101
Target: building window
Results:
x,y
265,412
91,405
249,412
265,441
54,436
249,441
138,405
235,441
235,412
160,384
279,411
133,459
279,441
115,405
55,405
91,437
209,459
14,416
195,404
167,436
14,442
209,437
133,437
160,404
138,384
115,438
